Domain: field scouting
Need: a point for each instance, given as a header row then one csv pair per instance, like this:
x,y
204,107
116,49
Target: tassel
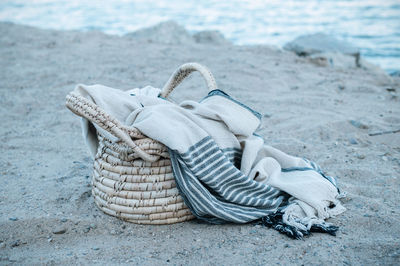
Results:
x,y
275,221
324,228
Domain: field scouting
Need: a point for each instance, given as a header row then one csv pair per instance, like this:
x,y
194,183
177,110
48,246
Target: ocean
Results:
x,y
371,25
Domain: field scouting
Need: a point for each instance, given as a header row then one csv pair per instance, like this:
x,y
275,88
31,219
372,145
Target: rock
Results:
x,y
294,88
210,37
63,220
267,115
2,245
358,124
319,43
15,243
59,231
166,32
395,73
353,141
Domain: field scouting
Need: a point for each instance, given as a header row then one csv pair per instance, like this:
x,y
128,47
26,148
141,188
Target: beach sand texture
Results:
x,y
329,115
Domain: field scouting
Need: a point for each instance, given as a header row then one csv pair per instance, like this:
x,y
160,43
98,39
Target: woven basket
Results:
x,y
132,178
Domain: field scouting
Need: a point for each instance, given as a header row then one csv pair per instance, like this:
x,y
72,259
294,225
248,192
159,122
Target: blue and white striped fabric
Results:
x,y
226,173
214,188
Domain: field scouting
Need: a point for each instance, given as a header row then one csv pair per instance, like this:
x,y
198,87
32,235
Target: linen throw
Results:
x,y
224,171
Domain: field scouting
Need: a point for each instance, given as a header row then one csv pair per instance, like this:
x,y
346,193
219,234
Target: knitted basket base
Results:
x,y
144,217
135,190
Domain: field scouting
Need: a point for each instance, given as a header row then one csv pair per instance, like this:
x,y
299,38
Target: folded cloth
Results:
x,y
224,171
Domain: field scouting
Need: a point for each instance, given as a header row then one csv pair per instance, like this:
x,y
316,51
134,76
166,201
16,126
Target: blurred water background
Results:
x,y
371,25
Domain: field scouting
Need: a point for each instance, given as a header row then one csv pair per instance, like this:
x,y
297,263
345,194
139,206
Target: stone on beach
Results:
x,y
59,231
327,51
168,32
210,37
320,43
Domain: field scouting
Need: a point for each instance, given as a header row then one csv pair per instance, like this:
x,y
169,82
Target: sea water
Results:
x,y
371,25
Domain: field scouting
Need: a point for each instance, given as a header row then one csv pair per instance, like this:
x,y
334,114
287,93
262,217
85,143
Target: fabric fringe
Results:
x,y
276,222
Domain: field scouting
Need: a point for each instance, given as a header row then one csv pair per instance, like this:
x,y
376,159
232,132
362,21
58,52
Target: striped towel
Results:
x,y
226,173
216,190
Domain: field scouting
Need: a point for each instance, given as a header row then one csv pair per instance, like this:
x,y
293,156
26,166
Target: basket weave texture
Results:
x,y
132,178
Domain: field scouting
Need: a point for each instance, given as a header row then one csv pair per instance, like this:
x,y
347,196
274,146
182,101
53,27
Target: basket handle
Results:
x,y
84,108
184,71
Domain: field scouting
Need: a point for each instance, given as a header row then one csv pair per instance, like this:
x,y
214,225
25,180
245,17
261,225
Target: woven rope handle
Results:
x,y
184,71
84,108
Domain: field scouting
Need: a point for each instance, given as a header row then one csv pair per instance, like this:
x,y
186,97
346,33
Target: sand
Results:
x,y
326,114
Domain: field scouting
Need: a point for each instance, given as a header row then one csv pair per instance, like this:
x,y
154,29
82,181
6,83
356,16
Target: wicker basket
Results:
x,y
132,178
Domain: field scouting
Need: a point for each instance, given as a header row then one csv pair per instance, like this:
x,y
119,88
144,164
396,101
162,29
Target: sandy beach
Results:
x,y
346,119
